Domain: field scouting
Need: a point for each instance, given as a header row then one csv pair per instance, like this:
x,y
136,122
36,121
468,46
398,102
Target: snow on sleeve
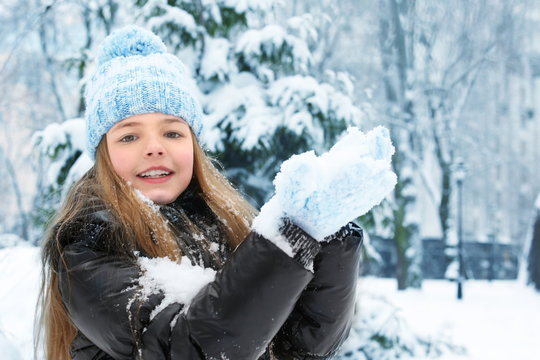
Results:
x,y
179,282
537,202
269,223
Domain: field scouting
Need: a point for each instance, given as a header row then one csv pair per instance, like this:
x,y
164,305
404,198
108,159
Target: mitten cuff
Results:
x,y
304,247
346,231
272,224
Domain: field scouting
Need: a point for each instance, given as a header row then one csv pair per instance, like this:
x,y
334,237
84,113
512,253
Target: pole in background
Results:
x,y
491,273
459,174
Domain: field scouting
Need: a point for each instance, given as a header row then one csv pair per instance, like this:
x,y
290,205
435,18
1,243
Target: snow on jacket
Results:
x,y
261,304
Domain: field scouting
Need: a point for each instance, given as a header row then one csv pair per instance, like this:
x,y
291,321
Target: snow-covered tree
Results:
x,y
41,68
59,149
255,77
440,64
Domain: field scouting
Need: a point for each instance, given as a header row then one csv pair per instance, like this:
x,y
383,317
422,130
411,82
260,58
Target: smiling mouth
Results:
x,y
154,174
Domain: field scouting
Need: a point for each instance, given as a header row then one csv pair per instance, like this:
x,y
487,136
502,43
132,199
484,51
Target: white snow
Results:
x,y
145,199
242,107
171,15
81,166
255,43
322,193
214,62
59,141
245,5
269,223
496,321
9,240
303,27
178,282
253,111
19,286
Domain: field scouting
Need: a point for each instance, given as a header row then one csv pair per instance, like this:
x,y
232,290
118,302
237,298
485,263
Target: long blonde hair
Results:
x,y
138,229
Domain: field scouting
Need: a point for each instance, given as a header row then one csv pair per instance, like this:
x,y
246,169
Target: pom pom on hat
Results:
x,y
136,75
130,41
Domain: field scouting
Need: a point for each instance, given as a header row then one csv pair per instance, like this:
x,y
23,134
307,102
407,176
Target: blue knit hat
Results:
x,y
135,75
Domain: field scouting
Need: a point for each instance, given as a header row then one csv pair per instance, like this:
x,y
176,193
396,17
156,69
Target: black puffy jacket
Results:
x,y
263,304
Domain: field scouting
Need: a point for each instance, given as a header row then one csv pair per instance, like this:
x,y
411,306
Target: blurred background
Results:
x,y
456,82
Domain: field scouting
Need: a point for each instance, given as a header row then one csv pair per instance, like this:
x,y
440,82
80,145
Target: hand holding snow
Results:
x,y
322,193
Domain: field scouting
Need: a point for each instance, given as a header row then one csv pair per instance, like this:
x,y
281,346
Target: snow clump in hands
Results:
x,y
320,194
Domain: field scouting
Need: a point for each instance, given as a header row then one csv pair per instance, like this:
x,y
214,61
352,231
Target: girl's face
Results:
x,y
153,152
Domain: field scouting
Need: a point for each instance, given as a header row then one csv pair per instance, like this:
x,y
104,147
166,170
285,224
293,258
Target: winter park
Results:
x,y
420,117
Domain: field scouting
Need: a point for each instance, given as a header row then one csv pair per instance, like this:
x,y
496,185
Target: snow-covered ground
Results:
x,y
497,320
19,286
494,320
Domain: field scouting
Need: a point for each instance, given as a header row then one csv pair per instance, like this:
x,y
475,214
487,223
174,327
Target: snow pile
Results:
x,y
179,283
322,193
380,331
496,320
19,287
9,351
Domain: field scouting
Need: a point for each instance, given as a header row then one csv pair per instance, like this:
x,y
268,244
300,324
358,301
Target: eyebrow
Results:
x,y
125,124
174,120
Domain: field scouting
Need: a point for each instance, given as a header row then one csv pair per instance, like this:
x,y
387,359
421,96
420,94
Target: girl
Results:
x,y
280,286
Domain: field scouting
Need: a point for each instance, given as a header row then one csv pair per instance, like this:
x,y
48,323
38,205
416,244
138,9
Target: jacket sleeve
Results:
x,y
322,317
235,316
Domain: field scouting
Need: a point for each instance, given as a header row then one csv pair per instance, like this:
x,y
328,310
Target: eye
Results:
x,y
173,134
128,138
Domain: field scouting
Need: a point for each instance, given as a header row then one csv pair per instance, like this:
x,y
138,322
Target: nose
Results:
x,y
154,148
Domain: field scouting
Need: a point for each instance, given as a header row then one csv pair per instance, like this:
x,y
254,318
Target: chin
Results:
x,y
162,199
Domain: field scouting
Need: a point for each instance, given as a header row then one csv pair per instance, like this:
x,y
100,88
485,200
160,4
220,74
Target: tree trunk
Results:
x,y
50,69
396,54
86,14
202,39
24,226
534,256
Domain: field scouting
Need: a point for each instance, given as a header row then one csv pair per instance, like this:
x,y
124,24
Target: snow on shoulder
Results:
x,y
179,282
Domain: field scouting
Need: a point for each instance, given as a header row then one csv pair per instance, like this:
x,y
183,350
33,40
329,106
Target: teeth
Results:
x,y
154,174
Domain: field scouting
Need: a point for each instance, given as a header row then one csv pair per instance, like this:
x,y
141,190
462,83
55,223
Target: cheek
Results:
x,y
121,165
186,161
121,162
